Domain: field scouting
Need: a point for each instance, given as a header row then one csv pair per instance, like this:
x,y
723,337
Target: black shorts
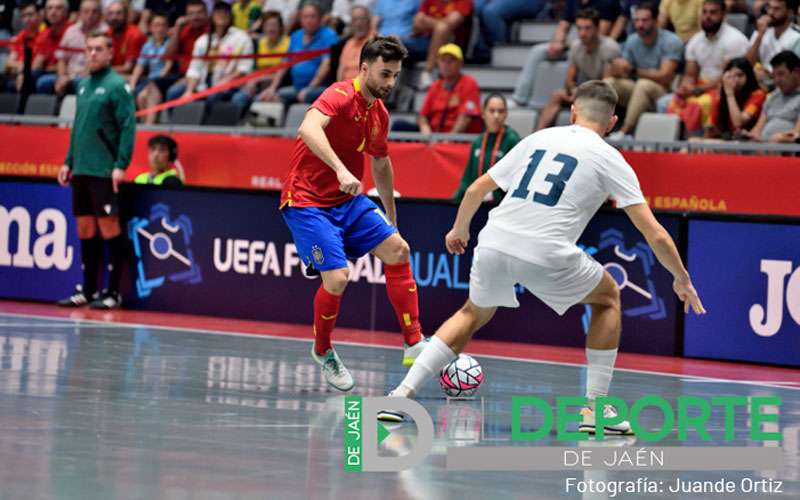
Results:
x,y
93,196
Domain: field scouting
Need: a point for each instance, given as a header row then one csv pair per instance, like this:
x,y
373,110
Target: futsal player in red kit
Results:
x,y
331,220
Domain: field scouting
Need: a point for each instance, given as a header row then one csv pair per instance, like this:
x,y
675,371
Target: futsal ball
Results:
x,y
462,377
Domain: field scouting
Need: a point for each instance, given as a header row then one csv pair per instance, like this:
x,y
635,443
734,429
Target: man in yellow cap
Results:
x,y
452,104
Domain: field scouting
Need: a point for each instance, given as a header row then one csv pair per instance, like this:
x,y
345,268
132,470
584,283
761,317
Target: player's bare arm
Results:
x,y
458,237
312,132
383,174
667,254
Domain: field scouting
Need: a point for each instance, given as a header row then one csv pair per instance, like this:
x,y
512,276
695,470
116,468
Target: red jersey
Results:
x,y
19,41
47,42
186,39
127,45
355,129
443,105
439,9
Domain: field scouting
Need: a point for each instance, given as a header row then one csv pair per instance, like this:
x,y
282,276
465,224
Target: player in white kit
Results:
x,y
555,181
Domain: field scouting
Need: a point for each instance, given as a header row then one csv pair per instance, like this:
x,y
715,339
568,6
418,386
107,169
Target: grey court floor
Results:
x,y
106,411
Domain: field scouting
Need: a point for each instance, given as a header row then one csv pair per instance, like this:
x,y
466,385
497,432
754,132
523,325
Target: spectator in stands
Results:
x,y
523,90
173,9
682,15
71,66
361,28
496,16
223,39
452,104
23,46
308,77
274,41
436,23
246,13
490,147
182,36
151,64
780,118
645,71
128,39
774,33
589,59
707,53
162,153
621,28
393,18
340,18
288,9
56,13
736,104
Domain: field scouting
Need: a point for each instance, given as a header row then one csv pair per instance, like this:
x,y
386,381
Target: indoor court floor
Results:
x,y
117,406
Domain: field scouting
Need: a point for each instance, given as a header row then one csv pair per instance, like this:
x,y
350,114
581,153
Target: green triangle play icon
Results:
x,y
382,433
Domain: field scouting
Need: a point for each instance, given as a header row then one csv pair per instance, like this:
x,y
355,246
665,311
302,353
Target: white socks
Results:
x,y
431,360
599,369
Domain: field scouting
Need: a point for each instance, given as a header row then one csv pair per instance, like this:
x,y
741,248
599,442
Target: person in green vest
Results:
x,y
162,152
490,146
100,149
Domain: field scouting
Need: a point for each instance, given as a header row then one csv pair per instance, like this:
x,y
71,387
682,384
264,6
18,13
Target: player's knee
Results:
x,y
336,281
399,252
612,296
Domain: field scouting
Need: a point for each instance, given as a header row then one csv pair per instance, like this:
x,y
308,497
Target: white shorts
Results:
x,y
494,274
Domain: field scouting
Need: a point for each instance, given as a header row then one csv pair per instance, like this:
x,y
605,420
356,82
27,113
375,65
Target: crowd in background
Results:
x,y
679,56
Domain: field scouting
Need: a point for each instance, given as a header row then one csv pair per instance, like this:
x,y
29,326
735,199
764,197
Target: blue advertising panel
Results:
x,y
39,247
230,254
748,276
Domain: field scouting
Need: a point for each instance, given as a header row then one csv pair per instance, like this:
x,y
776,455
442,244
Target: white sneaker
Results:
x,y
390,415
588,425
410,352
336,374
425,80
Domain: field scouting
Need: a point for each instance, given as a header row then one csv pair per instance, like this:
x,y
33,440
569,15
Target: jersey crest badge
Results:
x,y
316,252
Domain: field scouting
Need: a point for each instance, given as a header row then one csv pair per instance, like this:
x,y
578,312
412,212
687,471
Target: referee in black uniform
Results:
x,y
100,149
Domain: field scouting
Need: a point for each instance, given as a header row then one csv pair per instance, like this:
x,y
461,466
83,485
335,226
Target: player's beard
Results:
x,y
378,92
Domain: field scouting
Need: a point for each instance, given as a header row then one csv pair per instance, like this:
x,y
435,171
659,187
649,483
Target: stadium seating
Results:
x,y
522,120
658,127
550,76
224,114
188,114
294,116
41,105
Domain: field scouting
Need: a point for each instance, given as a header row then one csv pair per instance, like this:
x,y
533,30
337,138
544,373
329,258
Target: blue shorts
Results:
x,y
327,237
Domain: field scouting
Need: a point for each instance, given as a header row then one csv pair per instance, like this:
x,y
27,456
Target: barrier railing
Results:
x,y
690,147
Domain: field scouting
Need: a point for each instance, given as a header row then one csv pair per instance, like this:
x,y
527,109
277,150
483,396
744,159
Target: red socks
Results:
x,y
402,291
326,308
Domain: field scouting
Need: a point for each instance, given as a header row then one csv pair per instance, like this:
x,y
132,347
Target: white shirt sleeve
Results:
x,y
691,48
244,66
504,170
195,69
620,181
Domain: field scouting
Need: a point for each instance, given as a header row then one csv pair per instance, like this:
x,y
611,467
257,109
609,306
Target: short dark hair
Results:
x,y
596,101
104,35
390,48
271,14
589,13
786,58
165,141
28,3
720,3
495,95
313,4
201,3
160,13
219,5
647,6
790,4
